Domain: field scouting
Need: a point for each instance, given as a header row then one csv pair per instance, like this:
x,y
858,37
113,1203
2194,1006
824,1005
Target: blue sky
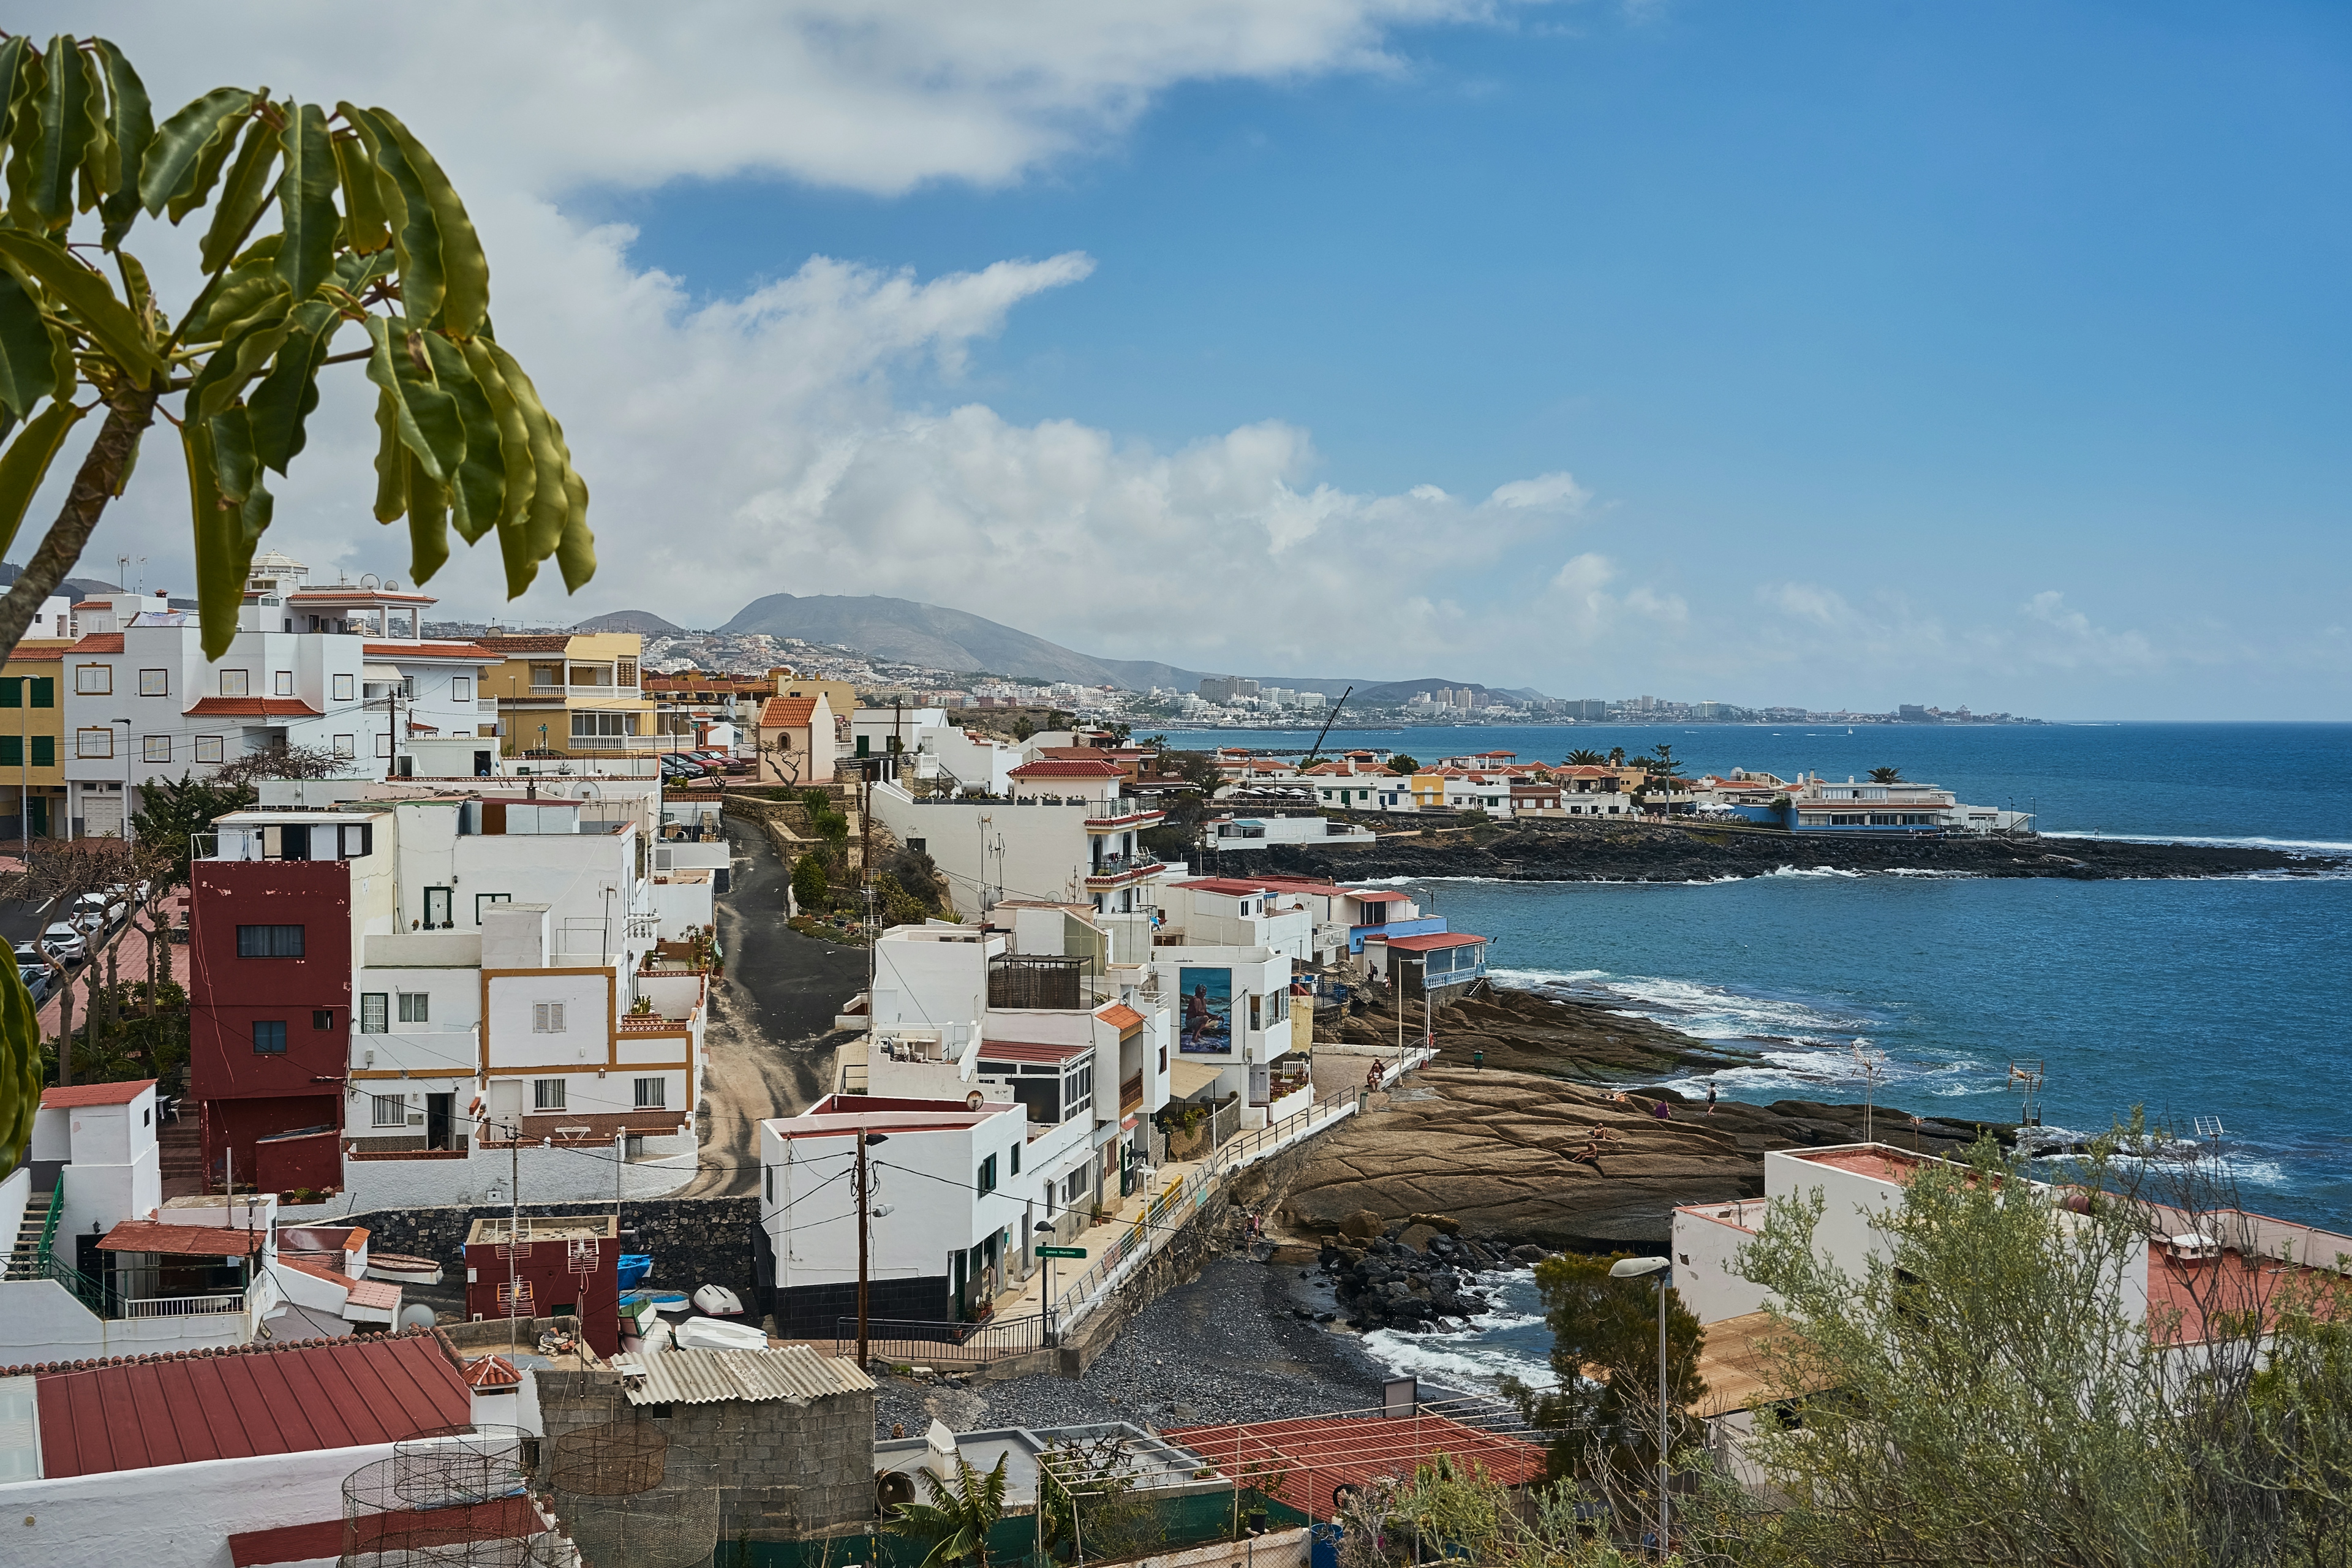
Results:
x,y
1992,354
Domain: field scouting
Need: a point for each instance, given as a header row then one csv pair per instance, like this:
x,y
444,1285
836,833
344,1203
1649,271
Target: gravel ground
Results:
x,y
1225,1347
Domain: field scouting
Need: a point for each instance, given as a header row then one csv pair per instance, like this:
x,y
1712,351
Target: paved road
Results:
x,y
771,1038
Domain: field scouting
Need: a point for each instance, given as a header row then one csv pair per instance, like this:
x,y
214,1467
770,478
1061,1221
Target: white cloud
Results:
x,y
2041,635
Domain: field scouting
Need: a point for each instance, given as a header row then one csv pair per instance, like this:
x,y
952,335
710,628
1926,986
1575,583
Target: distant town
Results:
x,y
1223,702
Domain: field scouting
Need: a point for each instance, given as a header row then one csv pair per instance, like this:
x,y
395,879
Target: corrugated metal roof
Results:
x,y
248,1401
706,1378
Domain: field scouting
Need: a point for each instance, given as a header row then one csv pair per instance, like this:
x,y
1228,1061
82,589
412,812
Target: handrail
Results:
x,y
49,1225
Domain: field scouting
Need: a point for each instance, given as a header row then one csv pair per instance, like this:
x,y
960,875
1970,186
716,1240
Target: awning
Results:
x,y
1186,1080
389,674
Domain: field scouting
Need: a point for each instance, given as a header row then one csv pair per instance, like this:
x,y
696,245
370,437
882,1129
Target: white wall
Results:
x,y
1044,846
923,979
549,1176
1704,1248
15,1193
587,995
935,1208
40,1320
175,1516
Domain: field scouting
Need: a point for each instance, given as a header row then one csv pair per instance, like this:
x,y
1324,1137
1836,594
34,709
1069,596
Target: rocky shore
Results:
x,y
1571,851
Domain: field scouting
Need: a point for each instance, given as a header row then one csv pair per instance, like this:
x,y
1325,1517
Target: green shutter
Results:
x,y
12,691
45,692
12,751
44,750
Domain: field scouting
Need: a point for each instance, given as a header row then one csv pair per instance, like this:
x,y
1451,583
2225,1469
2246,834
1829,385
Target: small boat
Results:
x,y
633,1267
655,1337
670,1301
394,1269
711,1334
717,1302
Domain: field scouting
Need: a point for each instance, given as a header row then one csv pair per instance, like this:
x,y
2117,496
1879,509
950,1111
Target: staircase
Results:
x,y
179,1158
23,1259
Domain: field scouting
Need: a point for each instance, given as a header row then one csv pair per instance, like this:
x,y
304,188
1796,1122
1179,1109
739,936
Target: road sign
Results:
x,y
1061,1252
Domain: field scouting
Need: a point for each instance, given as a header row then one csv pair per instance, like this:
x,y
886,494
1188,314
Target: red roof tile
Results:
x,y
787,712
100,642
185,1241
376,1293
252,708
492,1371
429,650
1121,1016
1434,940
1029,1051
245,1401
1308,1459
1056,768
95,1094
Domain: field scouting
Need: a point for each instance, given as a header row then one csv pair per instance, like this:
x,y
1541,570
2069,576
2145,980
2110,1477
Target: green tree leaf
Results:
x,y
106,317
429,422
27,461
243,194
186,155
288,394
390,460
429,521
28,349
365,227
479,494
306,202
20,1065
415,232
16,83
232,511
465,271
232,366
65,123
550,502
130,125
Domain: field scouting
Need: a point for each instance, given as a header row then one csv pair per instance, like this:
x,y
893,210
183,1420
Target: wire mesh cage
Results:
x,y
627,1495
459,1497
614,1458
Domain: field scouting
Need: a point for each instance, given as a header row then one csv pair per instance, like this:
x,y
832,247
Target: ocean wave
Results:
x,y
2330,845
1458,1356
1715,1013
1536,979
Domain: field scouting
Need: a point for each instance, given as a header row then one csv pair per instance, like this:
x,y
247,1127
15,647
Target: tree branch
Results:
x,y
128,412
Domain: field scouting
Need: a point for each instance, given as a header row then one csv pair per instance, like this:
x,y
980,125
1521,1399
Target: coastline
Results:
x,y
1551,850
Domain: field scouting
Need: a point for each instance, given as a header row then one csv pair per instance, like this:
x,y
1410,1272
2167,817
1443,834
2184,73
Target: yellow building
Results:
x,y
564,694
841,696
32,730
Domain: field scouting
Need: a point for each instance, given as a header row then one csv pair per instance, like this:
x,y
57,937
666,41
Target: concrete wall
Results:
x,y
565,1177
1044,846
40,1321
1704,1248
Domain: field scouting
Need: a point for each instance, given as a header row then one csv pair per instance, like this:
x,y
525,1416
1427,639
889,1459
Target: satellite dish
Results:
x,y
391,584
368,580
416,1315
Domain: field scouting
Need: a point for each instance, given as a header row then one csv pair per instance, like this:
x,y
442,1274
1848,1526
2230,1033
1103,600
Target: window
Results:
x,y
44,750
1074,1185
347,746
358,840
546,674
45,692
12,691
11,751
343,684
94,679
413,1006
547,1017
1016,1160
653,1093
210,749
986,1179
269,942
1078,1090
769,1183
269,1038
1255,1023
375,1012
481,899
383,745
389,1111
461,687
547,1094
155,748
600,723
323,1017
154,683
94,742
235,683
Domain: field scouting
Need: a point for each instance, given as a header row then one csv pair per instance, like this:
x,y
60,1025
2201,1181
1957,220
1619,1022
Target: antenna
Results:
x,y
2210,1129
1873,1067
2026,1078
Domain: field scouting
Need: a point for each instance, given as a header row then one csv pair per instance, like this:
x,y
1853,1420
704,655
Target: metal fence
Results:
x,y
914,1341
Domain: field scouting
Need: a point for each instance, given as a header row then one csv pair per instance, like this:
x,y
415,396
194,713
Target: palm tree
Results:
x,y
1616,756
1584,757
1887,776
957,1520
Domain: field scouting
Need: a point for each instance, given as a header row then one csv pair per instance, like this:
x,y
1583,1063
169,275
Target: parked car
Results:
x,y
109,909
40,979
686,766
65,941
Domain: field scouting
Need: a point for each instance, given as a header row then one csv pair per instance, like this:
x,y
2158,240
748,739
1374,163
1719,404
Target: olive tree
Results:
x,y
314,220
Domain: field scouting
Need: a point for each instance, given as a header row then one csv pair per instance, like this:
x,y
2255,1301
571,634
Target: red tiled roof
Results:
x,y
506,646
1434,940
28,651
95,1094
1233,886
246,1401
492,1371
374,1293
1308,1459
252,708
100,642
1121,1016
458,1524
1055,768
184,1240
465,650
787,712
347,591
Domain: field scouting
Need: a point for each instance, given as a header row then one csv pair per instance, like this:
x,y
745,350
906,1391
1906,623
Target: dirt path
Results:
x,y
771,1038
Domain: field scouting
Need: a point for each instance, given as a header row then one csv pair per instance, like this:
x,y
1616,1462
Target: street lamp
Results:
x,y
1634,1268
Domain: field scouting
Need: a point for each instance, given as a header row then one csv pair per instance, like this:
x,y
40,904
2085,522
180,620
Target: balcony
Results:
x,y
623,743
1123,870
1131,1096
1120,818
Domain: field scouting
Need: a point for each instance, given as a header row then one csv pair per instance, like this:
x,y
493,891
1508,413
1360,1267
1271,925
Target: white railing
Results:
x,y
182,1306
620,743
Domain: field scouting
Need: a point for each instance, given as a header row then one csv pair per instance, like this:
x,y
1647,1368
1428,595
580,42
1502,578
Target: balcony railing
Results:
x,y
182,1306
623,743
1131,1096
1111,868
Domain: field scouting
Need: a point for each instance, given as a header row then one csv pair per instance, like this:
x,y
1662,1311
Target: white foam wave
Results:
x,y
2330,845
1713,1013
1814,871
1457,1356
1537,979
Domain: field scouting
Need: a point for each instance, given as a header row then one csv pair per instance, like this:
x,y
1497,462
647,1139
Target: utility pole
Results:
x,y
865,1208
514,1223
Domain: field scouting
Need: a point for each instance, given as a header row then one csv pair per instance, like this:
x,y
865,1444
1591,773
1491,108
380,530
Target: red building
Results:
x,y
562,1266
269,984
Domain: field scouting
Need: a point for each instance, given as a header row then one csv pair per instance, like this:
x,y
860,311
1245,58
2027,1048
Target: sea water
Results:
x,y
2225,997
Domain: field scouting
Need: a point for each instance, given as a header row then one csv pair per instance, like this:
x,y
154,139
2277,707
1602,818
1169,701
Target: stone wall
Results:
x,y
787,1468
694,1241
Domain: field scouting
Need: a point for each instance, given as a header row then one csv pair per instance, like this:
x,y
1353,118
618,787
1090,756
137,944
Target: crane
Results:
x,y
1329,719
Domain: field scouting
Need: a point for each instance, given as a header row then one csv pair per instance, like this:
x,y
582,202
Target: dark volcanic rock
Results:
x,y
1554,851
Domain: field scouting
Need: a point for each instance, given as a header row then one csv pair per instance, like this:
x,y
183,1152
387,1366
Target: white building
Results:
x,y
342,669
1067,835
1236,834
